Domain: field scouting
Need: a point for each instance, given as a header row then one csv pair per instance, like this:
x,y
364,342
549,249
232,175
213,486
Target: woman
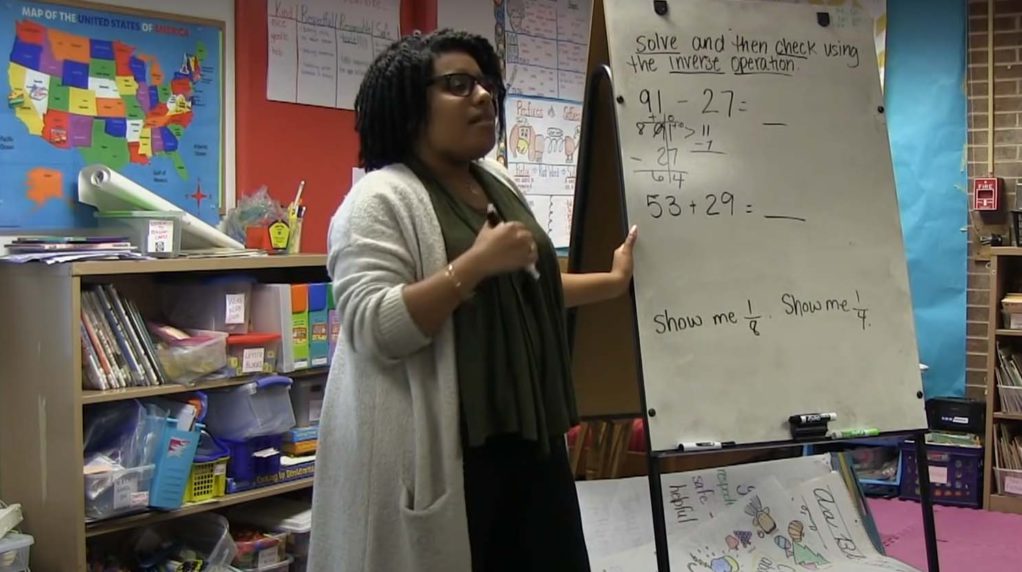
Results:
x,y
442,434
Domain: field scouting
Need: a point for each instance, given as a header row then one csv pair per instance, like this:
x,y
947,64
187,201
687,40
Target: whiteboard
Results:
x,y
770,274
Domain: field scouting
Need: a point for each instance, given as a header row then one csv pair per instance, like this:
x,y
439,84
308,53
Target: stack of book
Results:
x,y
301,441
1009,379
1008,460
1007,444
117,350
55,249
1009,449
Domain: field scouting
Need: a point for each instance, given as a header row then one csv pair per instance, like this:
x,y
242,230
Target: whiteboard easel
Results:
x,y
611,368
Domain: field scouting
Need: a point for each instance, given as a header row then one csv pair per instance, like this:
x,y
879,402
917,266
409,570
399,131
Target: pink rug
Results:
x,y
968,540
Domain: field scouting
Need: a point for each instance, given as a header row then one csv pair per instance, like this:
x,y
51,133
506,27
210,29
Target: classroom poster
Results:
x,y
812,525
616,512
319,50
140,94
545,52
542,154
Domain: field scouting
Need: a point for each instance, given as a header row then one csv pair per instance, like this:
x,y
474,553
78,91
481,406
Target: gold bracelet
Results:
x,y
456,282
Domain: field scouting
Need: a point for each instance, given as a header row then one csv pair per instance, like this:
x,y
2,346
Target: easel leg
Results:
x,y
926,500
659,524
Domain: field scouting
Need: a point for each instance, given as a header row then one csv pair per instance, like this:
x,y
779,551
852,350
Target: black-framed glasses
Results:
x,y
463,84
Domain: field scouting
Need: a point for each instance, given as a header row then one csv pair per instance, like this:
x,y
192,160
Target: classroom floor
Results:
x,y
968,540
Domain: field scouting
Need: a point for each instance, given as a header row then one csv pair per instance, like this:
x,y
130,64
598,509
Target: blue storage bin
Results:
x,y
173,465
245,469
956,474
255,409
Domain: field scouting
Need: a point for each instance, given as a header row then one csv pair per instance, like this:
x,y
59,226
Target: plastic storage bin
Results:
x,y
14,552
252,353
185,361
253,460
956,474
155,233
173,465
307,400
1009,482
208,478
260,550
283,566
222,304
284,515
255,409
208,534
878,468
113,493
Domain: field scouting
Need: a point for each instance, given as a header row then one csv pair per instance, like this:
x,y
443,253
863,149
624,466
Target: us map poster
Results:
x,y
141,94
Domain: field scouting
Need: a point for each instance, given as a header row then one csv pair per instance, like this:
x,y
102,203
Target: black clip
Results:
x,y
660,7
823,19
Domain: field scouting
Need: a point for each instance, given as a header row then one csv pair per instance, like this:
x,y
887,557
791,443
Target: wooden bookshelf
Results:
x,y
116,267
1005,503
1006,250
42,402
152,517
1005,265
92,396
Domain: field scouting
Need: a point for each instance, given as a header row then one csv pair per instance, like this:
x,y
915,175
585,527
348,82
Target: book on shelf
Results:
x,y
58,249
1008,449
117,350
1009,379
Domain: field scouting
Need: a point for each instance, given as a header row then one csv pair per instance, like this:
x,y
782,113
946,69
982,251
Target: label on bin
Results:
x,y
268,557
315,410
235,309
938,475
139,499
220,469
252,360
161,236
1013,485
123,489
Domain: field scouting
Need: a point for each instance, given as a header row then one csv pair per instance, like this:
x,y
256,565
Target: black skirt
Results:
x,y
522,507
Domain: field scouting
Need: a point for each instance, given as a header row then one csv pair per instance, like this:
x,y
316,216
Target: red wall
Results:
x,y
280,144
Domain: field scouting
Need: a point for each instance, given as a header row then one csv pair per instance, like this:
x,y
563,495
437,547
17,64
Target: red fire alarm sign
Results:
x,y
986,193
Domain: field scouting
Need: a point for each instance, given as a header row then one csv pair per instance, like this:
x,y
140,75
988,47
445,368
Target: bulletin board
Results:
x,y
281,144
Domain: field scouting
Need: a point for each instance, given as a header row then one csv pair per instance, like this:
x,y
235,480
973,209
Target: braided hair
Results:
x,y
391,107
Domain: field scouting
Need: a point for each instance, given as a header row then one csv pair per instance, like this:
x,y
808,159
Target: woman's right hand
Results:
x,y
506,247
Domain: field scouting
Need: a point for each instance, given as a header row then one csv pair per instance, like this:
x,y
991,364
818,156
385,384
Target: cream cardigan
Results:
x,y
389,490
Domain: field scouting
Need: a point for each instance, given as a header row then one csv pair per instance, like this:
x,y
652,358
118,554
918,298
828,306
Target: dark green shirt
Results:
x,y
514,372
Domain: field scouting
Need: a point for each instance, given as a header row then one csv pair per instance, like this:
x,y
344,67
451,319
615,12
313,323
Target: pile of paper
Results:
x,y
59,249
737,519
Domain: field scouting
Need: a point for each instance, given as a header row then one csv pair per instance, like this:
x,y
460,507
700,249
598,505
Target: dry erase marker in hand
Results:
x,y
493,219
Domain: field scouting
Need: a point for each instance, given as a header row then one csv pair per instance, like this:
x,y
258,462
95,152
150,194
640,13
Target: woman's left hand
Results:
x,y
623,265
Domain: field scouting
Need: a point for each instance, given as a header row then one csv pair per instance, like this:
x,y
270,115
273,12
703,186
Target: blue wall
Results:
x,y
926,103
